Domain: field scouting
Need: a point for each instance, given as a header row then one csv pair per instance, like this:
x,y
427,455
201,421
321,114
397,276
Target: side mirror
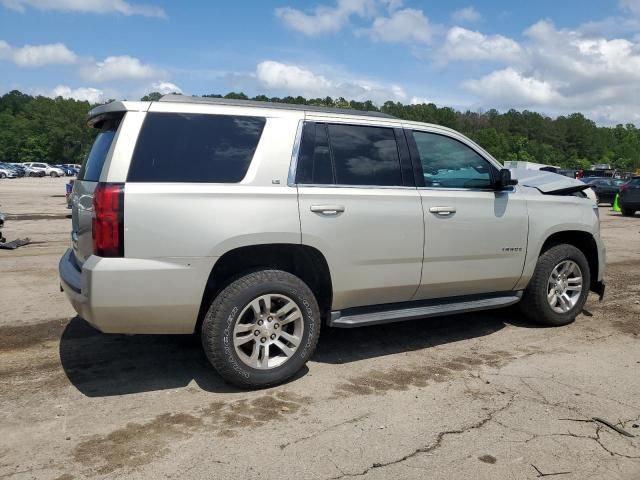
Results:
x,y
504,179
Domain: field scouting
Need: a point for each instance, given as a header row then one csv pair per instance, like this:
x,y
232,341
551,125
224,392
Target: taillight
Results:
x,y
108,220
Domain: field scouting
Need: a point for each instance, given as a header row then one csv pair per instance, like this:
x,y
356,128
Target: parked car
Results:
x,y
68,171
34,172
71,169
7,171
19,168
629,199
50,170
606,188
254,223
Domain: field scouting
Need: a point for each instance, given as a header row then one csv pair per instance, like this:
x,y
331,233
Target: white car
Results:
x,y
256,223
7,172
50,170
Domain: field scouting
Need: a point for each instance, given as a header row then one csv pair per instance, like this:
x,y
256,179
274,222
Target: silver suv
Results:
x,y
254,223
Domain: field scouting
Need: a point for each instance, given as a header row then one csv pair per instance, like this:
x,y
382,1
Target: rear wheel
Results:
x,y
261,329
3,175
559,287
628,212
54,174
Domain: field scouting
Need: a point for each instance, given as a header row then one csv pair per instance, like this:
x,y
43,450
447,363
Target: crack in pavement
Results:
x,y
330,427
431,447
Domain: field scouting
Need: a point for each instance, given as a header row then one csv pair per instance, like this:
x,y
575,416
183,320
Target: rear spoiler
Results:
x,y
98,114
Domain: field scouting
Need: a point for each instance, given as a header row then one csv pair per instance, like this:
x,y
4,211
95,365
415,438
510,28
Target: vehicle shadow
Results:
x,y
100,365
339,345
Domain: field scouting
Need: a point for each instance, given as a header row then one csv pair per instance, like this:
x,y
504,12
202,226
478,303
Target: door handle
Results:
x,y
327,209
443,211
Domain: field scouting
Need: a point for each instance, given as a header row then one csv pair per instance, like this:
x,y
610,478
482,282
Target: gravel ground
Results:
x,y
483,395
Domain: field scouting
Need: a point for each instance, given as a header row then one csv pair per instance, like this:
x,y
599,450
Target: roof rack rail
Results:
x,y
172,97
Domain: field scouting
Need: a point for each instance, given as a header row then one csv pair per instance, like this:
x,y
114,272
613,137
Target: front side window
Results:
x,y
185,147
448,163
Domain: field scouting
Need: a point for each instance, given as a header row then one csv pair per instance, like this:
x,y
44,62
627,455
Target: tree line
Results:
x,y
54,130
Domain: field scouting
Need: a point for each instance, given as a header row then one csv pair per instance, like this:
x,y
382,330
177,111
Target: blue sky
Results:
x,y
555,56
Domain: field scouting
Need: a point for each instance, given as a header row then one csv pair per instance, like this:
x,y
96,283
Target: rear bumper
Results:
x,y
123,295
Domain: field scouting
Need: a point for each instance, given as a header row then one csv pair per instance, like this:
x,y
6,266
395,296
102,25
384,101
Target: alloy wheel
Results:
x,y
564,286
268,331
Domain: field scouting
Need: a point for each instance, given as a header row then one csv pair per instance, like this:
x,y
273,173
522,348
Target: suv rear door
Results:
x,y
85,185
475,236
359,206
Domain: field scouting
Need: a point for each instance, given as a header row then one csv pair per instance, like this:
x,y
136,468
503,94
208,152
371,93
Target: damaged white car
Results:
x,y
256,223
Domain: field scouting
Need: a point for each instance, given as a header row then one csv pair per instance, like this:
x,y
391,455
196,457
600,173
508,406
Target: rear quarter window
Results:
x,y
177,147
92,166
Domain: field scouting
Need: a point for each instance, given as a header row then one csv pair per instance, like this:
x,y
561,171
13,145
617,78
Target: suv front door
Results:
x,y
359,206
475,236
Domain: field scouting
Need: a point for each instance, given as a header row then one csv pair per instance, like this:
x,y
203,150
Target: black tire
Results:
x,y
224,312
534,304
3,175
54,174
628,212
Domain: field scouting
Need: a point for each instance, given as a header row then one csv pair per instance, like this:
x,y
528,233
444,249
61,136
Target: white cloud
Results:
x,y
463,44
324,19
121,67
509,87
276,75
86,6
402,26
419,100
632,6
166,87
37,55
562,70
289,79
91,95
466,15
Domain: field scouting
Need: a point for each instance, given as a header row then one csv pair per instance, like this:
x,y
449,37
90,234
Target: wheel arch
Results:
x,y
303,261
584,242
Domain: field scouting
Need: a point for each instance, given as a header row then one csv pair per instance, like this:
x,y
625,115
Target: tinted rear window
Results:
x,y
175,147
314,164
364,155
92,165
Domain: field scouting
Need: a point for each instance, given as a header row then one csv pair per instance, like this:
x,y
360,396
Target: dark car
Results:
x,y
9,171
629,198
606,188
68,171
20,170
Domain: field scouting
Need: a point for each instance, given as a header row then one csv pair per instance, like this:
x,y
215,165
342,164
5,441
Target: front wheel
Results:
x,y
3,175
54,174
261,329
559,287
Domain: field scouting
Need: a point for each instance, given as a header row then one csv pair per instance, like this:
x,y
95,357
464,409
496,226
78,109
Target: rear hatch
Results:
x,y
85,185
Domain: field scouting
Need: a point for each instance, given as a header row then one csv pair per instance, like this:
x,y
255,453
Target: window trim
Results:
x,y
295,156
419,172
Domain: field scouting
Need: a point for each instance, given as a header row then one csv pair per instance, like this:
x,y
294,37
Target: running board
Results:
x,y
396,312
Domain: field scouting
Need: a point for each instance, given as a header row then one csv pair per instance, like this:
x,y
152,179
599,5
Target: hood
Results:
x,y
547,182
